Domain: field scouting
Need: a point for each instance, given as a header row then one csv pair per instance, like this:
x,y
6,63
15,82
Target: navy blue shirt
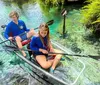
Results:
x,y
14,29
36,44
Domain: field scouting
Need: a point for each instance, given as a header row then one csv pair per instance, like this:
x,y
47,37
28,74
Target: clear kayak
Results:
x,y
67,73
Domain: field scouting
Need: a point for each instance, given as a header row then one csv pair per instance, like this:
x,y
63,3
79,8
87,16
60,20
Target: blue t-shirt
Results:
x,y
36,44
14,29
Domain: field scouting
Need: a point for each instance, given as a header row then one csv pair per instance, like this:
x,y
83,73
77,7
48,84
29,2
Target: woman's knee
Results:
x,y
18,38
31,32
43,62
45,66
58,57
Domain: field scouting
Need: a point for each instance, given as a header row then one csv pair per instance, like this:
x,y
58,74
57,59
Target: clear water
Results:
x,y
33,14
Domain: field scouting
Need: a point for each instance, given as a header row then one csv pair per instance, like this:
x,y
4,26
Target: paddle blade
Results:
x,y
50,22
3,26
35,28
95,57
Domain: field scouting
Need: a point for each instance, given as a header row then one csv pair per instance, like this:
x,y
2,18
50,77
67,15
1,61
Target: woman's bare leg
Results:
x,y
57,59
19,44
19,40
41,59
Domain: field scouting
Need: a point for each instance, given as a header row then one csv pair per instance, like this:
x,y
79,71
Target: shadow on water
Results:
x,y
16,62
1,65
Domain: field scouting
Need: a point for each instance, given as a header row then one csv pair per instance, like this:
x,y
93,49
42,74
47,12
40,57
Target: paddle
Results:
x,y
4,41
82,55
92,56
48,23
3,26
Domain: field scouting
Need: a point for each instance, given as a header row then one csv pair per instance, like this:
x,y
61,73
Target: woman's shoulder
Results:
x,y
35,38
10,24
20,21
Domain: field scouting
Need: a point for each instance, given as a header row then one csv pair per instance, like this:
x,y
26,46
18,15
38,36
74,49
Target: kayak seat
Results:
x,y
25,42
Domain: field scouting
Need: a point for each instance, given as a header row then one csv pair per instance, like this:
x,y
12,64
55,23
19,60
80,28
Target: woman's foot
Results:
x,y
62,59
51,70
23,53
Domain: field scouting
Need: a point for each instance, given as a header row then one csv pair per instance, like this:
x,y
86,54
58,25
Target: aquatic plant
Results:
x,y
91,15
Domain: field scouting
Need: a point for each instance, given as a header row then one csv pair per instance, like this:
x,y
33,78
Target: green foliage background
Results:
x,y
91,13
53,2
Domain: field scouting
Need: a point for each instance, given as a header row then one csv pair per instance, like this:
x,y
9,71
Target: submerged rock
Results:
x,y
13,79
21,81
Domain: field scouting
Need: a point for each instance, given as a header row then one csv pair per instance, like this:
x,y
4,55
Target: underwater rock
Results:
x,y
13,79
75,49
21,81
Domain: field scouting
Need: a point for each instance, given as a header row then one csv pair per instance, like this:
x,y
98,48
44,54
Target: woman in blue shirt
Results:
x,y
41,45
17,28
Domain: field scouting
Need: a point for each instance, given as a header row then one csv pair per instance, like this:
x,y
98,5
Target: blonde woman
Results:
x,y
41,45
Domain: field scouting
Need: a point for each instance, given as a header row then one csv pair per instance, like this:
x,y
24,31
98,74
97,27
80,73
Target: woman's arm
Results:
x,y
51,47
33,44
34,47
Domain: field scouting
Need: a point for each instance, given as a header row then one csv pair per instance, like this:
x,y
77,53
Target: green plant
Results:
x,y
52,2
91,13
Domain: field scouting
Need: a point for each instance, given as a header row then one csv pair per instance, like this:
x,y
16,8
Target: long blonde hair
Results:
x,y
45,27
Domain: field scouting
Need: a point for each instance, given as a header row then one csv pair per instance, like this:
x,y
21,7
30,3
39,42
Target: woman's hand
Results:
x,y
43,51
52,50
11,38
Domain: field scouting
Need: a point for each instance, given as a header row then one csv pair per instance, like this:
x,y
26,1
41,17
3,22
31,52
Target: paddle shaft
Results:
x,y
75,54
17,49
4,41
